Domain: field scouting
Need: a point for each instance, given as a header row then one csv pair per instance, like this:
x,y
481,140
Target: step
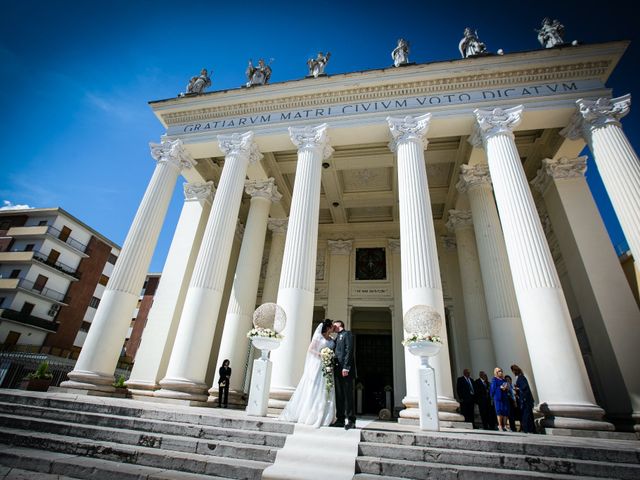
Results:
x,y
387,468
614,451
135,437
39,465
152,426
136,454
152,411
502,460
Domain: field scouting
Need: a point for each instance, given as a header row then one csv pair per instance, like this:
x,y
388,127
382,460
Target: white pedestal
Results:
x,y
428,397
259,392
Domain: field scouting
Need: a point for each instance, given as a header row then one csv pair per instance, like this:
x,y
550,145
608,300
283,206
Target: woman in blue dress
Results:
x,y
500,394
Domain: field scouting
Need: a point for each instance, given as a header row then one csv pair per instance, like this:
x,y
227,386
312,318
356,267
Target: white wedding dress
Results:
x,y
311,404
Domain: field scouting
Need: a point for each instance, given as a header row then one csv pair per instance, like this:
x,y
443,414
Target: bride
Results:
x,y
311,403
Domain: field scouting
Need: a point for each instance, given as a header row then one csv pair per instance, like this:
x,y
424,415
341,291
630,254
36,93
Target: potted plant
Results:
x,y
121,388
38,381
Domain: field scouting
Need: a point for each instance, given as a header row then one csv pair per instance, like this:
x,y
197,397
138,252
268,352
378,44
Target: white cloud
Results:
x,y
8,205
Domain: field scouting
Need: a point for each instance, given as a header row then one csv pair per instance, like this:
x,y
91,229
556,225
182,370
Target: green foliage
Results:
x,y
120,382
41,373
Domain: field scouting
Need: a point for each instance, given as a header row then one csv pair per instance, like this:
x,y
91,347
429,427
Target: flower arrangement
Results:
x,y
263,332
421,337
42,373
327,355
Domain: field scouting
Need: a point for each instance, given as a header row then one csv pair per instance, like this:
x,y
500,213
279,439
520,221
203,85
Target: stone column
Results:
x,y
160,331
397,332
421,283
563,387
185,378
478,330
278,227
339,256
609,312
234,345
297,279
101,350
598,122
500,296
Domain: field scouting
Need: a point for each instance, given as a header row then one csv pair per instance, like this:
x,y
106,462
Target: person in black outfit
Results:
x,y
466,395
223,384
485,404
525,400
344,373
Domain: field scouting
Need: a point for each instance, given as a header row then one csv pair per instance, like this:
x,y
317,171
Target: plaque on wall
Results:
x,y
371,264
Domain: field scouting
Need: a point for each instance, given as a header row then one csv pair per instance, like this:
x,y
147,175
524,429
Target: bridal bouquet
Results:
x,y
263,332
327,355
421,337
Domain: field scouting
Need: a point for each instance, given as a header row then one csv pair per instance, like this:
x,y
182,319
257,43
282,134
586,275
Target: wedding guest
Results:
x,y
483,398
466,395
223,384
514,411
499,393
525,400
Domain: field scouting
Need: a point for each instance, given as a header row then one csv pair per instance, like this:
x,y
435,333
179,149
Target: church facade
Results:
x,y
458,185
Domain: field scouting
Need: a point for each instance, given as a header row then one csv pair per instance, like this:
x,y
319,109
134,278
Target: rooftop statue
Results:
x,y
259,75
470,45
198,84
317,65
400,54
551,33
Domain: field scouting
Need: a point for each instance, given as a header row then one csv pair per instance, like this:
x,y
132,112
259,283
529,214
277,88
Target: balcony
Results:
x,y
39,231
30,287
33,255
30,320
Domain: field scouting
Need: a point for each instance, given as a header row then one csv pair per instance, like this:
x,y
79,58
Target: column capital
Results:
x,y
449,242
311,138
459,219
490,123
394,245
263,189
558,169
340,247
593,114
173,153
473,176
241,144
406,129
199,191
278,225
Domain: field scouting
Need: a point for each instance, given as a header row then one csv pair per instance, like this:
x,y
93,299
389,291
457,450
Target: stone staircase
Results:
x,y
387,454
65,435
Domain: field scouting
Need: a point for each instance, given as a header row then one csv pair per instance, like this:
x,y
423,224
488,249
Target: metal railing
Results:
x,y
44,291
63,267
54,232
29,319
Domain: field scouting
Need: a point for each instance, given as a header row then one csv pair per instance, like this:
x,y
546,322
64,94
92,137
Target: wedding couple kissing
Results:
x,y
324,396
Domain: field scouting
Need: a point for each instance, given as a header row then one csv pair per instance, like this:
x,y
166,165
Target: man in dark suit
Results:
x,y
485,405
344,373
466,395
525,400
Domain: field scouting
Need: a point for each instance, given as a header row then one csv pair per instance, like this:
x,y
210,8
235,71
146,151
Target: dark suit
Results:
x,y
344,385
466,395
485,405
526,402
223,386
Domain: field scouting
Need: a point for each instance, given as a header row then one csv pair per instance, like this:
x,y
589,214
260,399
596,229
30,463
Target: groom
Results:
x,y
344,373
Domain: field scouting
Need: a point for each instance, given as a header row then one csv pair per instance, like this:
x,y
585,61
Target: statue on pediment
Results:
x,y
551,33
258,75
470,45
400,54
198,84
317,65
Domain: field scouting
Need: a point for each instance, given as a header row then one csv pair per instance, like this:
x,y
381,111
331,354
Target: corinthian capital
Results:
x,y
311,138
263,189
241,144
340,247
172,152
558,169
405,129
473,176
278,225
593,114
199,191
490,123
459,219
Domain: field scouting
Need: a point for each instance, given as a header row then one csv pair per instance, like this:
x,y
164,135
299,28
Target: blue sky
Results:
x,y
75,78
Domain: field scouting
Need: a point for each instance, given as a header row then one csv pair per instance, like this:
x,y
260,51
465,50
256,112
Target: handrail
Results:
x,y
41,257
71,241
47,292
49,325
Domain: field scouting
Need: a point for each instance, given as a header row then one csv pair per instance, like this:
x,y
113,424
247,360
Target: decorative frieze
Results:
x,y
394,245
340,247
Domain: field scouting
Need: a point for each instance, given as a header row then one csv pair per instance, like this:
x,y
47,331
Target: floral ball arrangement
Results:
x,y
269,320
422,323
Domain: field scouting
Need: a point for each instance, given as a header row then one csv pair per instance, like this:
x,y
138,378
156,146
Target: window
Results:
x,y
94,302
371,264
42,223
85,326
15,273
103,280
112,259
29,247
